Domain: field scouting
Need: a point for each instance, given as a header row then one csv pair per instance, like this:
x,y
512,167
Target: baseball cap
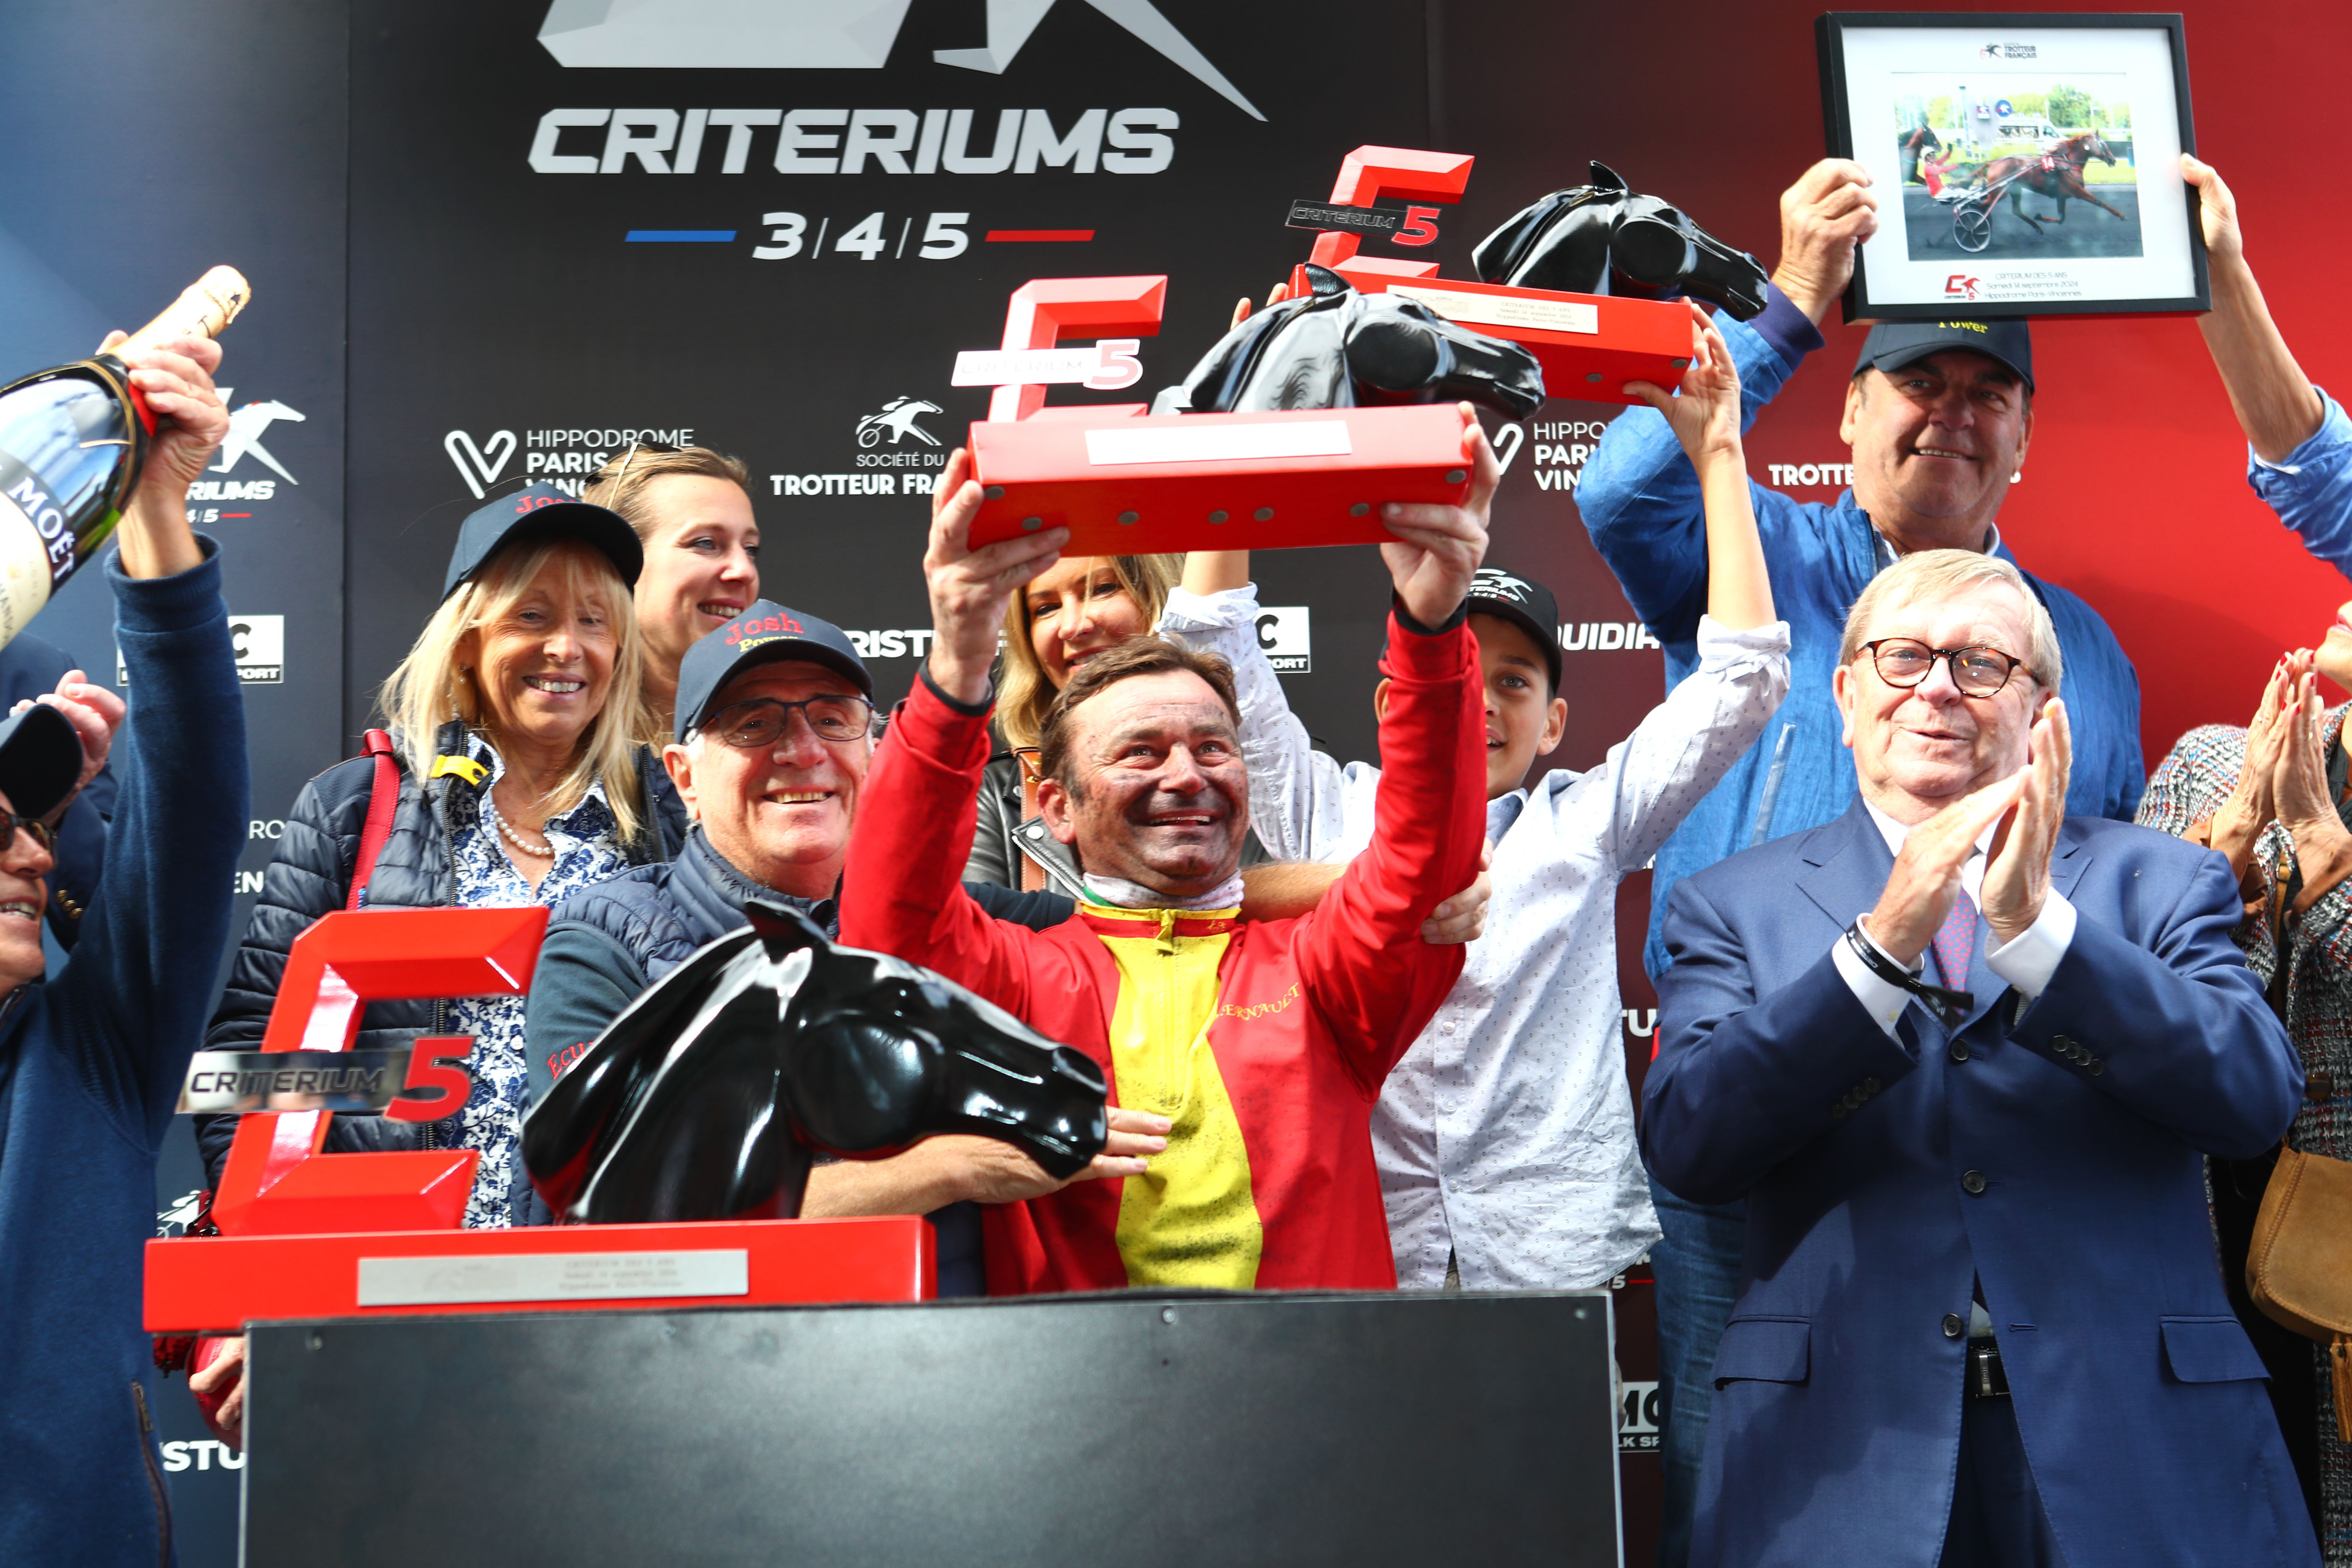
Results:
x,y
540,512
1893,345
40,760
1528,605
763,634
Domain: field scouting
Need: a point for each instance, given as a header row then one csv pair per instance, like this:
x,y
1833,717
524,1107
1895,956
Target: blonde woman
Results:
x,y
515,716
691,508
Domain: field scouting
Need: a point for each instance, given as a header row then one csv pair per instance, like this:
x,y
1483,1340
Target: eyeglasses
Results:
x,y
43,834
1978,670
761,721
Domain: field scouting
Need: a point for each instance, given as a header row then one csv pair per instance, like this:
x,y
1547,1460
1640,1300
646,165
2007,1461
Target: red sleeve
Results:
x,y
1373,979
902,888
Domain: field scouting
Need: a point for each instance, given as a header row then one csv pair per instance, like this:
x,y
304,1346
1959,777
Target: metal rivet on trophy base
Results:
x,y
994,492
1359,509
1455,476
1593,375
1682,365
1216,517
1032,523
1130,517
1263,514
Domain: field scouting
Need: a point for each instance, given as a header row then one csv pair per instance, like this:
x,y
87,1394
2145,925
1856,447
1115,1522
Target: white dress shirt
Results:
x,y
2027,962
1506,1135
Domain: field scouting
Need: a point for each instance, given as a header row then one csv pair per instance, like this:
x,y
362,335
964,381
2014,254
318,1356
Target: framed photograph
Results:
x,y
2024,164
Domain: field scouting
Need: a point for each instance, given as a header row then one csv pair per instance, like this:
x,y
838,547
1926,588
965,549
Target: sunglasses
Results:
x,y
43,834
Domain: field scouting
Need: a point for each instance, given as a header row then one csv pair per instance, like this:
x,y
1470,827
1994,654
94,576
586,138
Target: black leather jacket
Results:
x,y
312,875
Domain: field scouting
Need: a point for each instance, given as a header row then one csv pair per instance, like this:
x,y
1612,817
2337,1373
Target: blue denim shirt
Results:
x,y
2311,490
1639,500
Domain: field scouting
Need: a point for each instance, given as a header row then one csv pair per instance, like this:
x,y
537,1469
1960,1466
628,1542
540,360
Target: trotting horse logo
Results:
x,y
898,416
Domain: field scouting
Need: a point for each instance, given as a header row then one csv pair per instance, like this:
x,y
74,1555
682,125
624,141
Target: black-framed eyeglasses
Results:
x,y
1979,669
43,834
761,721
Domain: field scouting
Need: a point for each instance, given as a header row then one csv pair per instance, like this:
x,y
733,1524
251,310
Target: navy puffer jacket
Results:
x,y
312,875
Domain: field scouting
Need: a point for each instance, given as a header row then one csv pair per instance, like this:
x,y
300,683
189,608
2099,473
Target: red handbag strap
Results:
x,y
382,797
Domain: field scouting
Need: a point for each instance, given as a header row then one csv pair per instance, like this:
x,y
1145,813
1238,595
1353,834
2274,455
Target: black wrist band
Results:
x,y
1949,1007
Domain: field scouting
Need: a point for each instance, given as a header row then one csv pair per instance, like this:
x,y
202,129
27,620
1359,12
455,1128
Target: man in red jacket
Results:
x,y
1262,1044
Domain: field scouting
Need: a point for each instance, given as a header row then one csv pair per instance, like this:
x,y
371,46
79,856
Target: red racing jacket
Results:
x,y
1265,1042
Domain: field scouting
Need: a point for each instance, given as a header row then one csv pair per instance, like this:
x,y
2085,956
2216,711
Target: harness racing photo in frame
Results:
x,y
2026,166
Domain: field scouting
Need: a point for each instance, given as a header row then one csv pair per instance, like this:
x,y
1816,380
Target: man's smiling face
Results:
x,y
1938,439
23,895
1160,795
781,813
1917,750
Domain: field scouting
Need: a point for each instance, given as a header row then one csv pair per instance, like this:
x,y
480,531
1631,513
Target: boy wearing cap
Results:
x,y
91,1058
1505,1138
1939,416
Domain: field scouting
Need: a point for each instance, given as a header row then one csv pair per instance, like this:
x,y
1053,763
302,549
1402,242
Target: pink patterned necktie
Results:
x,y
1956,943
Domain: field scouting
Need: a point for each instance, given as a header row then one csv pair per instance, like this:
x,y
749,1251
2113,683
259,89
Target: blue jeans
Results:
x,y
1697,1270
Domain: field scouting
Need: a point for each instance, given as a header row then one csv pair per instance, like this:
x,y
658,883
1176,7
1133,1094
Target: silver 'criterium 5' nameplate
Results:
x,y
455,1281
351,1083
1508,311
1219,443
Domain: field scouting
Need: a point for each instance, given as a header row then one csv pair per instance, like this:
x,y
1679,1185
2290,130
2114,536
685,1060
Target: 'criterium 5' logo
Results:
x,y
825,35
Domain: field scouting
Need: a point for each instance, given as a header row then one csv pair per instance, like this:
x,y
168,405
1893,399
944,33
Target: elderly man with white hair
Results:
x,y
1961,1053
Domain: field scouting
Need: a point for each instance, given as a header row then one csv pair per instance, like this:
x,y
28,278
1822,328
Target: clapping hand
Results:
x,y
2017,868
2249,809
2305,806
1926,877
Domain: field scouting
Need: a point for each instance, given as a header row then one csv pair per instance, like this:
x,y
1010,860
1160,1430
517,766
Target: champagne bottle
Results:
x,y
73,441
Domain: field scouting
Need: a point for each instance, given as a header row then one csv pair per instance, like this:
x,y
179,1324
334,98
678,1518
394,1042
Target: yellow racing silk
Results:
x,y
1191,1219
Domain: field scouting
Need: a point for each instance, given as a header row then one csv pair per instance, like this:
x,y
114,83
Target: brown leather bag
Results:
x,y
2299,1267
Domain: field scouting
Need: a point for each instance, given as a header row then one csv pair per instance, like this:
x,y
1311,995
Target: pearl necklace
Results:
x,y
536,851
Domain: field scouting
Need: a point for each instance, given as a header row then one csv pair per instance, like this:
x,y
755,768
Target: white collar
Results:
x,y
1888,555
1124,895
1894,833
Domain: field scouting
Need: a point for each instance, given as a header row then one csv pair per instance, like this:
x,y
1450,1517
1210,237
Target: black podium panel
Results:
x,y
1136,1429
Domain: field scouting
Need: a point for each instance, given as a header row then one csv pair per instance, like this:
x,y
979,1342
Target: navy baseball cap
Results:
x,y
764,634
1524,603
1893,345
40,760
540,512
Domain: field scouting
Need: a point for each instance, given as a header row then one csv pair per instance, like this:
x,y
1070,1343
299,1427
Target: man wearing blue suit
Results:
x,y
1961,1054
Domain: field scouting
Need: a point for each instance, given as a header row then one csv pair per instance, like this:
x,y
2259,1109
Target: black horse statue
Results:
x,y
705,1098
1601,238
1335,348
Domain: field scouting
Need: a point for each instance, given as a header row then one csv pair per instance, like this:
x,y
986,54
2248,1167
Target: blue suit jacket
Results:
x,y
2081,1118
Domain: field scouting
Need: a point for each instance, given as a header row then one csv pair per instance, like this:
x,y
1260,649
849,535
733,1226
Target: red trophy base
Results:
x,y
1278,480
1590,345
218,1284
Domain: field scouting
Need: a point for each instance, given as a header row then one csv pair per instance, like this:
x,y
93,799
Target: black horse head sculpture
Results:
x,y
705,1098
1601,238
1335,348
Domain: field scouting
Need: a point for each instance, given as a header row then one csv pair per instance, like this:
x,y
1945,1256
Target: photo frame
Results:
x,y
2032,161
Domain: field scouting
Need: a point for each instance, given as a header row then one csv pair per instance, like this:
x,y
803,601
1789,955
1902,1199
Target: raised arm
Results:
x,y
2277,405
1361,953
142,973
901,890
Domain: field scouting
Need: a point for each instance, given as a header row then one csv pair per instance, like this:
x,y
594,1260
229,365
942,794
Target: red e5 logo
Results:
x,y
277,1180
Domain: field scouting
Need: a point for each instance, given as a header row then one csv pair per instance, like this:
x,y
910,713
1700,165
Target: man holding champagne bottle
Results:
x,y
91,1058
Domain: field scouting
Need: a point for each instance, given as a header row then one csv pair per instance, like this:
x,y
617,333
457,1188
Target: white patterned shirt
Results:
x,y
587,850
1505,1137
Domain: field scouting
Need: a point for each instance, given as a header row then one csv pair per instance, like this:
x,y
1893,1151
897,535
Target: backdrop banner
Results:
x,y
544,227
